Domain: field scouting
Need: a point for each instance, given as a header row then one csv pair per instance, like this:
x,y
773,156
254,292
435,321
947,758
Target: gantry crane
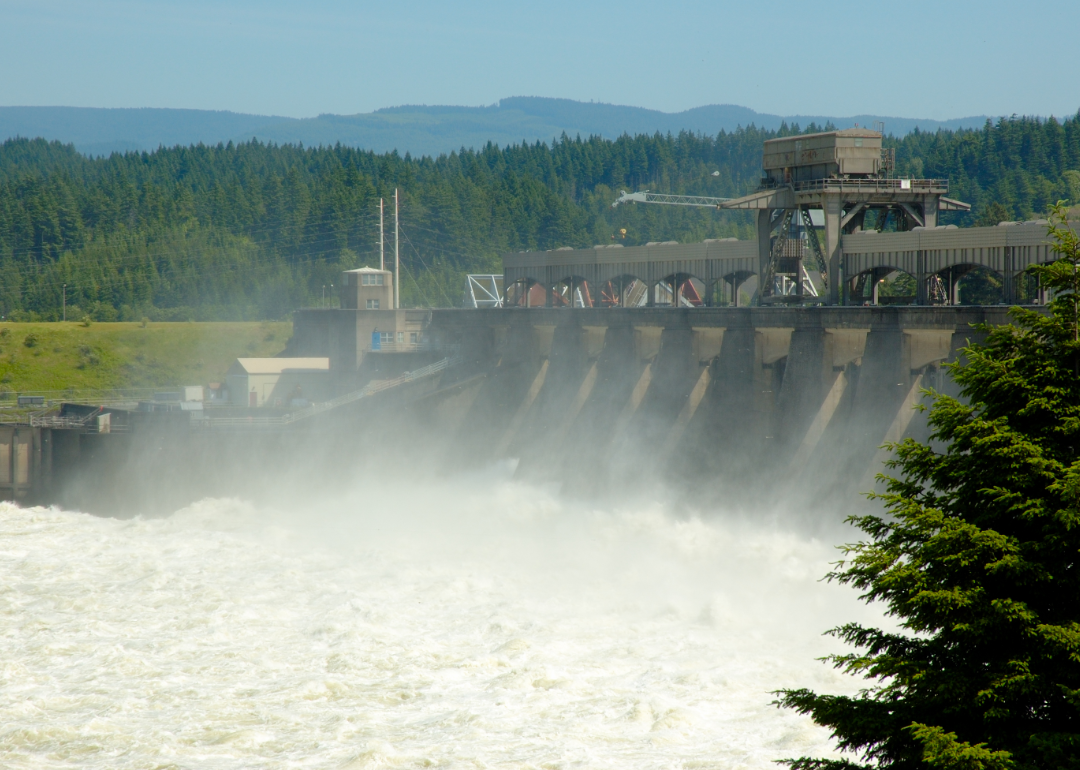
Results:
x,y
671,200
782,288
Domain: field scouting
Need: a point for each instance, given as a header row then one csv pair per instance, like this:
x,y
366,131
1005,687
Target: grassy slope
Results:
x,y
128,355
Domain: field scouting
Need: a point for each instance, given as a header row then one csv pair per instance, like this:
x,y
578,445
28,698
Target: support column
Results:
x,y
930,211
922,287
1008,276
833,208
764,240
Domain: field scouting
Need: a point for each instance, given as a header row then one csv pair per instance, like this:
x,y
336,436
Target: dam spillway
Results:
x,y
592,397
753,400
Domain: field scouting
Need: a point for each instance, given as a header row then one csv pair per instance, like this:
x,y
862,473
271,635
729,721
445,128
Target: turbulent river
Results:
x,y
475,623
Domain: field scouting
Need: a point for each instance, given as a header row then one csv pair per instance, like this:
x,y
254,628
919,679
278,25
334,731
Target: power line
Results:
x,y
426,268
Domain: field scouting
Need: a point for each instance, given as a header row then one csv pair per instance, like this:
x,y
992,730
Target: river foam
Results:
x,y
480,623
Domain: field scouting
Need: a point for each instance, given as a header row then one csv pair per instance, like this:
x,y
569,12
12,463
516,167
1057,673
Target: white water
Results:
x,y
477,624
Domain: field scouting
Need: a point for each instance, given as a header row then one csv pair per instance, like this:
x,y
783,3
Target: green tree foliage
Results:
x,y
977,557
253,230
994,214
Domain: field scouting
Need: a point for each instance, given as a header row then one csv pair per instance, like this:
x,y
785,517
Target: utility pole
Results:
x,y
382,242
397,254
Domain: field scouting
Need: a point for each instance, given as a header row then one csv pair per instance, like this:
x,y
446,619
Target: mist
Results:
x,y
544,557
398,622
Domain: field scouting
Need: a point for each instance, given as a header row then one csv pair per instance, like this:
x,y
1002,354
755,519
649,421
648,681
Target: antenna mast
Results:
x,y
397,255
382,243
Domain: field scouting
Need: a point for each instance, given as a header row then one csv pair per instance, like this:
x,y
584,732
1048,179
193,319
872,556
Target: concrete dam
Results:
x,y
598,399
605,369
744,402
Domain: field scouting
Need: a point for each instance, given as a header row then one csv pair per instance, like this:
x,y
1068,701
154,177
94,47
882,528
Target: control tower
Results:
x,y
845,174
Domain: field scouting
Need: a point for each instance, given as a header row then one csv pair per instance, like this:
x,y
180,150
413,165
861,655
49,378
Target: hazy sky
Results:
x,y
943,59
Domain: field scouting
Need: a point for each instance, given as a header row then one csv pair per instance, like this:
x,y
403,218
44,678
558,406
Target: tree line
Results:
x,y
255,230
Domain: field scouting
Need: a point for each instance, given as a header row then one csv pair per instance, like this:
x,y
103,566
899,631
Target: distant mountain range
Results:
x,y
419,130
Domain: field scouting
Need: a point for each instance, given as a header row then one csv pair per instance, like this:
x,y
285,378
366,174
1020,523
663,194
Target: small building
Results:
x,y
367,289
282,382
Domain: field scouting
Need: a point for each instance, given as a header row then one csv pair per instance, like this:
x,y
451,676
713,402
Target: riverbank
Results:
x,y
54,357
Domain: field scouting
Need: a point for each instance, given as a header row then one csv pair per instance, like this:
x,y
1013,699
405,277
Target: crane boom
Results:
x,y
671,200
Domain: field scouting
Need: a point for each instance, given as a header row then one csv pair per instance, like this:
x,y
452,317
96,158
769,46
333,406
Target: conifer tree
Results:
x,y
977,555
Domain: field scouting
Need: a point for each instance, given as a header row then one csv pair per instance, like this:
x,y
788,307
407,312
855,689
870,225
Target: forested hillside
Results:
x,y
419,129
254,231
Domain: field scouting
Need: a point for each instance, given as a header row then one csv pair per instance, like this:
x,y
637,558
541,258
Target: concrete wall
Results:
x,y
712,403
276,389
344,335
18,446
604,399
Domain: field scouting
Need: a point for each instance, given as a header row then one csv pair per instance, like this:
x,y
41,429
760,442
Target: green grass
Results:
x,y
105,356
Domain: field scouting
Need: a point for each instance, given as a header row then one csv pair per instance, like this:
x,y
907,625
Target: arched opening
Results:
x,y
1028,291
679,290
572,291
966,284
735,289
525,293
623,291
882,286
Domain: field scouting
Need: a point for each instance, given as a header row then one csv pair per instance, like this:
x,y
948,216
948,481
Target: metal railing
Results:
x,y
45,416
377,386
96,397
861,185
50,418
405,347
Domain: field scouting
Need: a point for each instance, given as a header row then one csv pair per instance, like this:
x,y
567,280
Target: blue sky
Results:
x,y
944,59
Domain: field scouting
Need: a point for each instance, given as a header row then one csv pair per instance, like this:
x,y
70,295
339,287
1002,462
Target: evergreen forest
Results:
x,y
254,231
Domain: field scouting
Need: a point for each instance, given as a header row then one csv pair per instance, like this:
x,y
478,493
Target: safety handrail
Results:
x,y
860,184
370,389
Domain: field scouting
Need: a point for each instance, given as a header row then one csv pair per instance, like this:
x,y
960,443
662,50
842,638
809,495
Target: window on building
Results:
x,y
386,338
372,304
401,338
414,337
370,279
